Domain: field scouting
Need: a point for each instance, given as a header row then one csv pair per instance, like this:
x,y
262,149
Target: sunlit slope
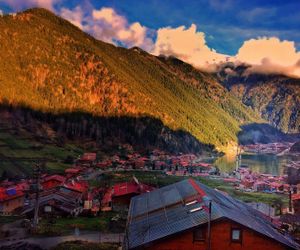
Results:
x,y
48,64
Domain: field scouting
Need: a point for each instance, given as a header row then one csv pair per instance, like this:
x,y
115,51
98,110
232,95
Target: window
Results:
x,y
236,235
199,234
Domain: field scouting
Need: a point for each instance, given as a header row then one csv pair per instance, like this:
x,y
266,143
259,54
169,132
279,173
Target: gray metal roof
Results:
x,y
66,199
164,212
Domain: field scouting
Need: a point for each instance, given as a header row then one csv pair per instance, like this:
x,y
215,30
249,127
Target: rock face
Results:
x,y
275,97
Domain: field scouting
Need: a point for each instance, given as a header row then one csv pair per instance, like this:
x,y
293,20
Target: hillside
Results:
x,y
48,66
275,97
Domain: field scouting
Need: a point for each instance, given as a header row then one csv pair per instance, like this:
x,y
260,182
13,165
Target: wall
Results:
x,y
9,205
296,205
220,240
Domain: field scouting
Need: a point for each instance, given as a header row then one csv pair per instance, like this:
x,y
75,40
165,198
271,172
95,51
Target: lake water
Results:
x,y
260,163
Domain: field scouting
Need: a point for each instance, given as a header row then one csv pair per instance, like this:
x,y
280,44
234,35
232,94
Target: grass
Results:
x,y
19,152
159,179
8,219
81,245
63,226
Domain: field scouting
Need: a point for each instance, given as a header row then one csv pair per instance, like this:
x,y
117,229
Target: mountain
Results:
x,y
52,72
275,97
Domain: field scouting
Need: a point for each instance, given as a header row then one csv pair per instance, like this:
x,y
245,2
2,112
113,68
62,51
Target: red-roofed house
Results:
x,y
88,157
104,164
23,186
71,172
121,194
10,199
78,186
53,181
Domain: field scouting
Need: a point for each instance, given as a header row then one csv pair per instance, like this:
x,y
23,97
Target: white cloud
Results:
x,y
107,25
187,44
265,55
270,55
278,52
21,4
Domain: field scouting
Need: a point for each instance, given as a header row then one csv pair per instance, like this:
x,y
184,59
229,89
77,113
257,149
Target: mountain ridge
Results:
x,y
50,65
275,97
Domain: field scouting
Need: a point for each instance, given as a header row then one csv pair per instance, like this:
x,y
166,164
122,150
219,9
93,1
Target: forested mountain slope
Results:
x,y
51,67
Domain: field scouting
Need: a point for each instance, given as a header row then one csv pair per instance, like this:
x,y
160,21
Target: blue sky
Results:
x,y
200,32
226,23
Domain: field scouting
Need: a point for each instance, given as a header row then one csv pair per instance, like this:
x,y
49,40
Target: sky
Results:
x,y
205,33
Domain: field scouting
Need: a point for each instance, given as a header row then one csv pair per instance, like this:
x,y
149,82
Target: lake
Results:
x,y
260,163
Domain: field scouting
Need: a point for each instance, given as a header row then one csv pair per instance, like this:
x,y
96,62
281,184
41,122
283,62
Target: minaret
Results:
x,y
238,158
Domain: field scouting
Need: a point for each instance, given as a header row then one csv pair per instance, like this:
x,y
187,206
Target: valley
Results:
x,y
88,129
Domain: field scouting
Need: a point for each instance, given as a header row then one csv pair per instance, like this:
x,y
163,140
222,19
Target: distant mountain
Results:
x,y
275,97
55,73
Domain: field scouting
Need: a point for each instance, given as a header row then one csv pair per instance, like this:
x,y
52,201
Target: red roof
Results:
x,y
55,177
72,170
10,193
104,164
295,197
79,186
205,165
125,188
89,157
52,181
22,186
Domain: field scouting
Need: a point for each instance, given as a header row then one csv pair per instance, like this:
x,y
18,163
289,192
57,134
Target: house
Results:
x,y
247,183
104,164
77,186
177,217
87,158
10,199
121,194
263,208
52,181
72,172
23,186
261,186
59,202
296,203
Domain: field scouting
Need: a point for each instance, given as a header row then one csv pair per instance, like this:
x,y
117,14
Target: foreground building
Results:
x,y
178,217
10,199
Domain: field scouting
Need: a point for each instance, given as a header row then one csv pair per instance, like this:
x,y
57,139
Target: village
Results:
x,y
87,190
277,148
